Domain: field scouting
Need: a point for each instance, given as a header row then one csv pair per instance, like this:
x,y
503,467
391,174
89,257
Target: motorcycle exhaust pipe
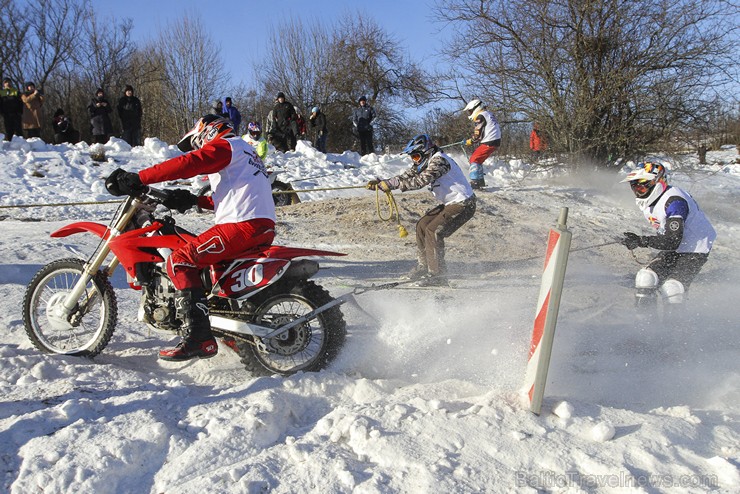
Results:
x,y
302,269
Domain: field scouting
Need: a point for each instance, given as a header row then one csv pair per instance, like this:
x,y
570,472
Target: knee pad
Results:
x,y
646,279
672,290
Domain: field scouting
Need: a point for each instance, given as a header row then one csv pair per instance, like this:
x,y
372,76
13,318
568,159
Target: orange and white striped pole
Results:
x,y
540,349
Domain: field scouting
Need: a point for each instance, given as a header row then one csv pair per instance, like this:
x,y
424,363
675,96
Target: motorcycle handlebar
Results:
x,y
158,194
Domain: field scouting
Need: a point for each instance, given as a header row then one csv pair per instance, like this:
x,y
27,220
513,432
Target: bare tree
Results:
x,y
54,28
192,71
13,30
333,67
104,51
604,78
297,57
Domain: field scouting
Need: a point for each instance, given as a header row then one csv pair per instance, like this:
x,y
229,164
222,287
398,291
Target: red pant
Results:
x,y
218,243
482,153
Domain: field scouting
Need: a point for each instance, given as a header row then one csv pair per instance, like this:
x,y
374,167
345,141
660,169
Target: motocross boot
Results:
x,y
477,183
197,339
418,272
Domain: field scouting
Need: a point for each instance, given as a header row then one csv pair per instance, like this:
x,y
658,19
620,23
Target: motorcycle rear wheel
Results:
x,y
308,347
90,326
279,199
283,198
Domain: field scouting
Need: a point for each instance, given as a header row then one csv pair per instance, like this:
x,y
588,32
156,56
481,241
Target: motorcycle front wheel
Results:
x,y
309,346
84,331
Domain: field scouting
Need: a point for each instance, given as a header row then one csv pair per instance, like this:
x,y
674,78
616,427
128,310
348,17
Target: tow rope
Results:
x,y
392,206
391,201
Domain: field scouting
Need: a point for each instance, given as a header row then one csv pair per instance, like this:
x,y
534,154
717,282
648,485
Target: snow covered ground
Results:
x,y
425,396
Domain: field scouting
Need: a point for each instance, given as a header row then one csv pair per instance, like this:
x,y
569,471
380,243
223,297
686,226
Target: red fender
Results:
x,y
283,252
79,227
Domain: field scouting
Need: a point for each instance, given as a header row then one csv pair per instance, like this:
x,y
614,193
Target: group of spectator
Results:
x,y
129,111
22,110
23,115
285,125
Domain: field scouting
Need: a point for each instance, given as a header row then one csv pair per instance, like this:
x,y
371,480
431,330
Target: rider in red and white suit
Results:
x,y
244,210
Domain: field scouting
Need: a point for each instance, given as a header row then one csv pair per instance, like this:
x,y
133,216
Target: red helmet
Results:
x,y
206,129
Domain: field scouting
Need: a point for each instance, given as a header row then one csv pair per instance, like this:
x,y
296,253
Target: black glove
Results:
x,y
633,240
180,199
123,183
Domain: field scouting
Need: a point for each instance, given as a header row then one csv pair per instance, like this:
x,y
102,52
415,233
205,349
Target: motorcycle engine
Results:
x,y
158,303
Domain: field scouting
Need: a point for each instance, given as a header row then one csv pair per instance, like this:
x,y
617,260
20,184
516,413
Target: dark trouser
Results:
x,y
436,225
13,126
132,136
32,133
679,266
320,143
366,142
71,136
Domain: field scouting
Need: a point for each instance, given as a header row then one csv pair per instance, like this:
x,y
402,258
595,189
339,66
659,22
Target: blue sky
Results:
x,y
242,27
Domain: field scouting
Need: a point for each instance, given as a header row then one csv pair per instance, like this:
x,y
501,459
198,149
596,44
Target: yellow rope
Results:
x,y
392,208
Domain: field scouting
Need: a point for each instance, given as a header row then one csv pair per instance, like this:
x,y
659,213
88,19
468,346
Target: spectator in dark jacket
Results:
x,y
362,128
12,108
284,129
318,122
100,124
232,113
63,129
218,109
130,112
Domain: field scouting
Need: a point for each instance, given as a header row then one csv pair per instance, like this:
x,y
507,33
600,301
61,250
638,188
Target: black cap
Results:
x,y
99,91
29,83
280,95
128,87
362,98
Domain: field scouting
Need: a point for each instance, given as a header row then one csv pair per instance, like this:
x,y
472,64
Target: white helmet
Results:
x,y
472,105
648,182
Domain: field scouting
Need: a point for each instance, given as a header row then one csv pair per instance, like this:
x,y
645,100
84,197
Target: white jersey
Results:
x,y
698,234
491,128
241,190
453,186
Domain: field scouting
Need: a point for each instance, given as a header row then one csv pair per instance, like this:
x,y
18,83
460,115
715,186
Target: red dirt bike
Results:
x,y
262,305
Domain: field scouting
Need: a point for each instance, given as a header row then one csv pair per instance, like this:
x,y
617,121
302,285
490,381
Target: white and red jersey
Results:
x,y
241,189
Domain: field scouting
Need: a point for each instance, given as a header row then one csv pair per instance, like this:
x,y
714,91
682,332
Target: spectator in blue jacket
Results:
x,y
232,113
